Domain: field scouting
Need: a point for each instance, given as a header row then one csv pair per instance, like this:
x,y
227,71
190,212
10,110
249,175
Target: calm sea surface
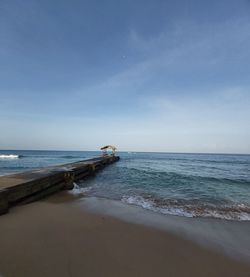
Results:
x,y
193,185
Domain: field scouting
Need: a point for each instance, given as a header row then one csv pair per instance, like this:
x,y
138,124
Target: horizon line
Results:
x,y
130,151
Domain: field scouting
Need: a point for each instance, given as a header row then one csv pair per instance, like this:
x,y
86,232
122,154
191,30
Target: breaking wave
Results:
x,y
78,190
240,212
10,156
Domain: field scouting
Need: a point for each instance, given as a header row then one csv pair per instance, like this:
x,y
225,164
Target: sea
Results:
x,y
188,185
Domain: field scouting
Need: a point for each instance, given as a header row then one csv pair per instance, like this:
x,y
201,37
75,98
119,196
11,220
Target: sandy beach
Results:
x,y
56,237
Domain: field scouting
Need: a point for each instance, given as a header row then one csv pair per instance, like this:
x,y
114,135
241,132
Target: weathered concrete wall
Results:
x,y
4,206
30,186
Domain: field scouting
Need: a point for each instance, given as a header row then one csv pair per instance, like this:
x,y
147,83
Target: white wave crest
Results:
x,y
187,211
150,205
77,190
9,156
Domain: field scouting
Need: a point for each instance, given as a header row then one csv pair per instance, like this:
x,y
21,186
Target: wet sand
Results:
x,y
57,237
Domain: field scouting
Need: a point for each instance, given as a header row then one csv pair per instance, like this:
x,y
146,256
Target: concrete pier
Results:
x,y
32,185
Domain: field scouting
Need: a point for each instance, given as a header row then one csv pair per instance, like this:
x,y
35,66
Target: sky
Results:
x,y
160,75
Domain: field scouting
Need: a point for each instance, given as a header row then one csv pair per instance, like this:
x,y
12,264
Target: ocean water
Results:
x,y
191,185
14,161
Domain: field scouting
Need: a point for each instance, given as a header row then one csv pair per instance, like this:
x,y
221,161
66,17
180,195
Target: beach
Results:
x,y
125,139
59,236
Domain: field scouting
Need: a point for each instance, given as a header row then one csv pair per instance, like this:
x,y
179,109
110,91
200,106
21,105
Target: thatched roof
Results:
x,y
108,146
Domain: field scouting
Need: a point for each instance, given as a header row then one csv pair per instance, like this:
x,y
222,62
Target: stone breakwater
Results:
x,y
33,185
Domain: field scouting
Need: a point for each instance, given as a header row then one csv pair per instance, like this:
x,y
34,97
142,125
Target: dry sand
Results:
x,y
58,238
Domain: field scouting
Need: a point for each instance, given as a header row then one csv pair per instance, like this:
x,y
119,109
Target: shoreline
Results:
x,y
61,236
228,237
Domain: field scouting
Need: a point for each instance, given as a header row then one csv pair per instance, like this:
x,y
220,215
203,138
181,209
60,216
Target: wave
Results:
x,y
12,156
78,190
240,212
15,156
165,175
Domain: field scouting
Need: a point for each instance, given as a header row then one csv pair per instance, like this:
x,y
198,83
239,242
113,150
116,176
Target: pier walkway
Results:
x,y
32,185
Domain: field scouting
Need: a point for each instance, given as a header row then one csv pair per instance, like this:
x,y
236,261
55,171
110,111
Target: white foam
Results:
x,y
77,190
184,211
244,216
149,205
240,216
9,156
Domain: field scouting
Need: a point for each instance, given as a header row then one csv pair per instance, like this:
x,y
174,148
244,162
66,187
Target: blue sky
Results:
x,y
143,75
